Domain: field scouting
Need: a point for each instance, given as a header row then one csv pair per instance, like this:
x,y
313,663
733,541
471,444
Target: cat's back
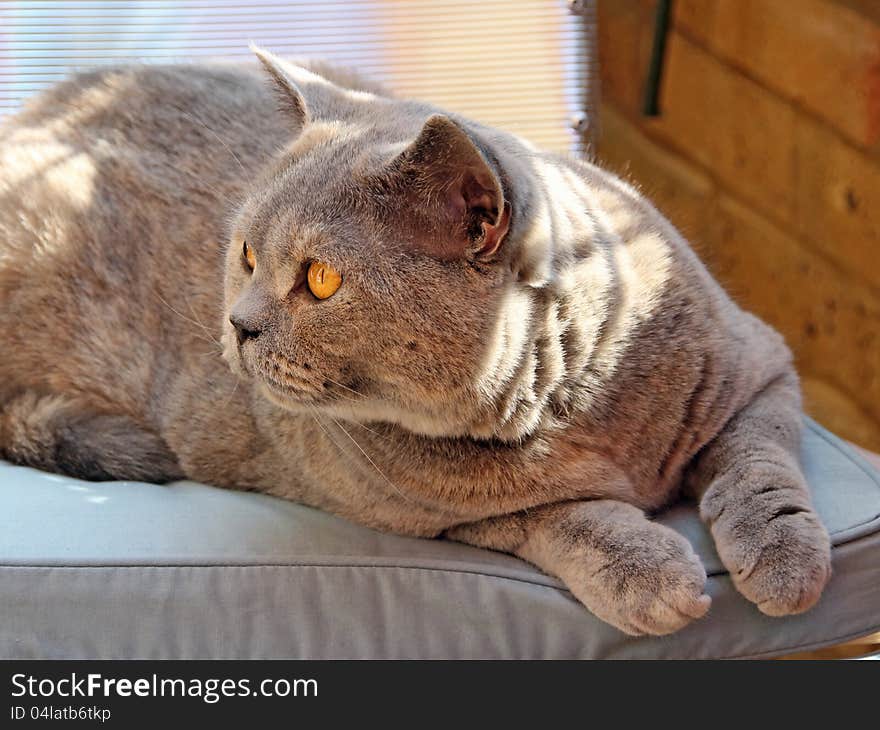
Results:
x,y
151,95
175,126
115,191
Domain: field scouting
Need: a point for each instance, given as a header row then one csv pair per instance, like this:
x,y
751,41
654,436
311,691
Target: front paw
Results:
x,y
654,584
780,560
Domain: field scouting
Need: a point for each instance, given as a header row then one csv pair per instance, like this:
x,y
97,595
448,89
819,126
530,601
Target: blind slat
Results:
x,y
522,65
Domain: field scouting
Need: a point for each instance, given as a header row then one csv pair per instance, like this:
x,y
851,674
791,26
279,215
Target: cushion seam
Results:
x,y
549,584
873,629
549,581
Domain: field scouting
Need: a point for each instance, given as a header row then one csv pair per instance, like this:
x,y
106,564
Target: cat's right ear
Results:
x,y
445,174
290,98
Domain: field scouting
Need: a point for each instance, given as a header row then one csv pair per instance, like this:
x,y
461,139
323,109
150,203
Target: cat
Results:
x,y
286,280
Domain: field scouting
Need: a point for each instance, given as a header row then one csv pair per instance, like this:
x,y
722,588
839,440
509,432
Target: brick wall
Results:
x,y
767,157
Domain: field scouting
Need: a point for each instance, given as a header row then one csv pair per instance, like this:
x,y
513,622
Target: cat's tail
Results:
x,y
61,434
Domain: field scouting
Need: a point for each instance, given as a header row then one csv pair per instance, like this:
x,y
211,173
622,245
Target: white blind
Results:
x,y
523,65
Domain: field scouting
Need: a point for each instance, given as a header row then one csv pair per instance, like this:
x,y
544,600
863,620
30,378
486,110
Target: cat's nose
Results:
x,y
244,330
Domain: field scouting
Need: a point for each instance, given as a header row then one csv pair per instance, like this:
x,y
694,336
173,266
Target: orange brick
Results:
x,y
682,191
841,413
838,199
818,53
831,322
625,32
740,132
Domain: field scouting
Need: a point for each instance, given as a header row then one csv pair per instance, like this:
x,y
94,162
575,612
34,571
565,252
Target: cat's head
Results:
x,y
366,271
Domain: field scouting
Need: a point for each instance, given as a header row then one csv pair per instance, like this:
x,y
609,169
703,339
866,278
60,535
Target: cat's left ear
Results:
x,y
449,174
290,97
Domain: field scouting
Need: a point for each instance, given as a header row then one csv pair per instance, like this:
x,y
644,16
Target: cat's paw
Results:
x,y
653,586
780,562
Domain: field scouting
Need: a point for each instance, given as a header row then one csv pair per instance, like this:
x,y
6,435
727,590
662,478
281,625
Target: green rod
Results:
x,y
651,106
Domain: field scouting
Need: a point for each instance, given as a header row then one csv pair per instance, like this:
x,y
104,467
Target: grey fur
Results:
x,y
524,354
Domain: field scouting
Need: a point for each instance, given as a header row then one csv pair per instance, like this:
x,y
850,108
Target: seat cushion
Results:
x,y
132,570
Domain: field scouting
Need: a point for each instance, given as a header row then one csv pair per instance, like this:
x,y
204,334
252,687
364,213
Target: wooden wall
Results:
x,y
767,156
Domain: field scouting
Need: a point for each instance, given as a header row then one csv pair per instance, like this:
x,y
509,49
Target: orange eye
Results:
x,y
323,280
248,254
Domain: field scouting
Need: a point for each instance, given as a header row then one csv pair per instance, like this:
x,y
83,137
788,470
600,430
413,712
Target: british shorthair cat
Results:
x,y
288,281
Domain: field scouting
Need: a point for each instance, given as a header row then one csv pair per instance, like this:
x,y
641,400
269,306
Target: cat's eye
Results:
x,y
248,253
323,280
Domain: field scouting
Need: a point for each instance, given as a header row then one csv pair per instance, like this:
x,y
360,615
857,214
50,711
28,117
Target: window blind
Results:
x,y
523,65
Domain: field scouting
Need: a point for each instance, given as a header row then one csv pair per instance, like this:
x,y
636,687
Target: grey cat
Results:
x,y
427,326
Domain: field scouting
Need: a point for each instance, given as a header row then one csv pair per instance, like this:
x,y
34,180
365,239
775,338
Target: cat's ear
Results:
x,y
290,98
450,177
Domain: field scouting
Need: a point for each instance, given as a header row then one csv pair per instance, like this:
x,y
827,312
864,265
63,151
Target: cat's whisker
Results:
x,y
373,463
292,371
360,395
215,349
209,339
374,432
201,326
232,394
218,138
327,433
317,420
347,398
195,314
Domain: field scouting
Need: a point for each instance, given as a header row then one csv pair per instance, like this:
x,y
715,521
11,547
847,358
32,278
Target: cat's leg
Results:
x,y
635,574
755,499
60,434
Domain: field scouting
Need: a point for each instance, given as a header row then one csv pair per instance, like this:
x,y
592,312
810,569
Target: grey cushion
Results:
x,y
129,570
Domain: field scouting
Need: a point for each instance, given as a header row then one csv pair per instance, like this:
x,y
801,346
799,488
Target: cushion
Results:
x,y
131,570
